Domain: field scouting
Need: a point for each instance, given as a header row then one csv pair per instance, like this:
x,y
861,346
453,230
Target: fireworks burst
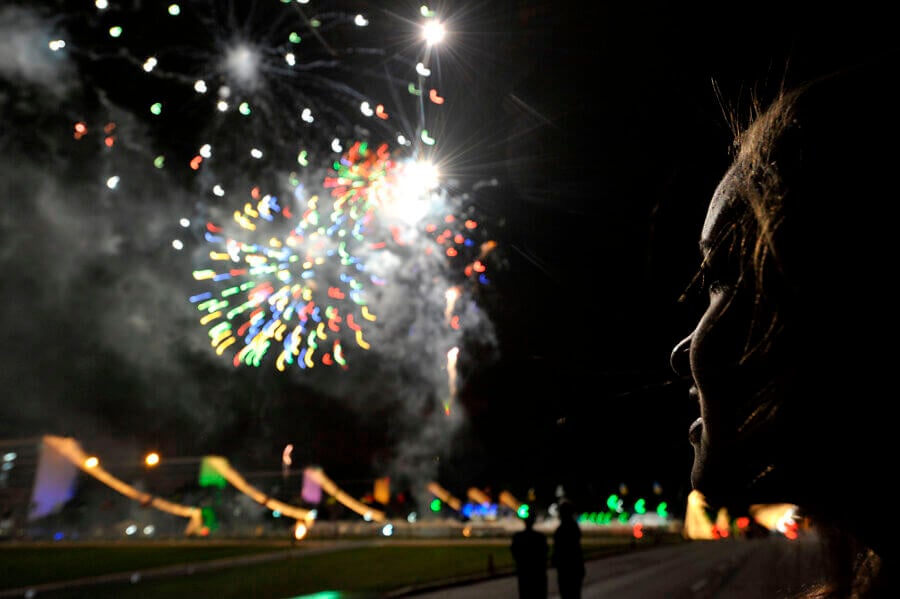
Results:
x,y
281,297
309,153
296,273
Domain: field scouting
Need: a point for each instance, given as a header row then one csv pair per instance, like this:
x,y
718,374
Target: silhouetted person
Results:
x,y
530,550
793,237
567,557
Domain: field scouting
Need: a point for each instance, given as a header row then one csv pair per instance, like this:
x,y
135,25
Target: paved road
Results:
x,y
771,568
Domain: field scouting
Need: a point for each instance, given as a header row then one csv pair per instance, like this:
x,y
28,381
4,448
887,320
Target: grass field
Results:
x,y
270,570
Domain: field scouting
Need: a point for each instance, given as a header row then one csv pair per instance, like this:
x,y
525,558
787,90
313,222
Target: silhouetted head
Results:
x,y
566,509
529,519
788,360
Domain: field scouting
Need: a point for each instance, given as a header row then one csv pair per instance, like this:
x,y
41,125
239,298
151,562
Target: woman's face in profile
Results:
x,y
711,355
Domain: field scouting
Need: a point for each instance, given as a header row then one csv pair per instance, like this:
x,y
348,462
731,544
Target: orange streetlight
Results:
x,y
152,459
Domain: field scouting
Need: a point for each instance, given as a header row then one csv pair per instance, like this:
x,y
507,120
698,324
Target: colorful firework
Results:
x,y
304,290
295,275
254,110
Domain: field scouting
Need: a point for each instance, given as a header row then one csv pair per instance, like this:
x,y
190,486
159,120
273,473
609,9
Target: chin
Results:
x,y
733,480
717,481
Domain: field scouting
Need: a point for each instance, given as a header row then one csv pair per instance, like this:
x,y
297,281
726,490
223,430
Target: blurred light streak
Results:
x,y
332,489
506,498
444,495
71,450
221,465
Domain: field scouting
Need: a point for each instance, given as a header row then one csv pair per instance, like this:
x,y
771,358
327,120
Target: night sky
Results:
x,y
585,142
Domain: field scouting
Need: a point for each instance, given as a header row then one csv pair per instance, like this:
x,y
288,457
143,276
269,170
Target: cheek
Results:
x,y
717,347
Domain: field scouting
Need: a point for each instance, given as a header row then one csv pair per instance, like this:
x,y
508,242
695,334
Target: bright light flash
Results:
x,y
433,32
410,203
57,45
242,63
360,21
421,175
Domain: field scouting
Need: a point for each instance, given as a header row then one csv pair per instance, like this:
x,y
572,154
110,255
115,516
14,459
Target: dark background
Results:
x,y
606,128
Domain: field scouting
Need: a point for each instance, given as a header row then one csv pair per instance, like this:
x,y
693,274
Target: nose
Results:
x,y
679,360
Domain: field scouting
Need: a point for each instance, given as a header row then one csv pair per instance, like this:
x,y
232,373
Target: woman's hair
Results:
x,y
754,238
811,237
815,177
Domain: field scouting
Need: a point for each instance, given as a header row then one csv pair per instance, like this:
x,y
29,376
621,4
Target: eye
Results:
x,y
717,288
718,272
711,283
717,275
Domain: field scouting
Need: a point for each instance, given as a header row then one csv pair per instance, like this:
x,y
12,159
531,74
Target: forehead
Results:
x,y
721,209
